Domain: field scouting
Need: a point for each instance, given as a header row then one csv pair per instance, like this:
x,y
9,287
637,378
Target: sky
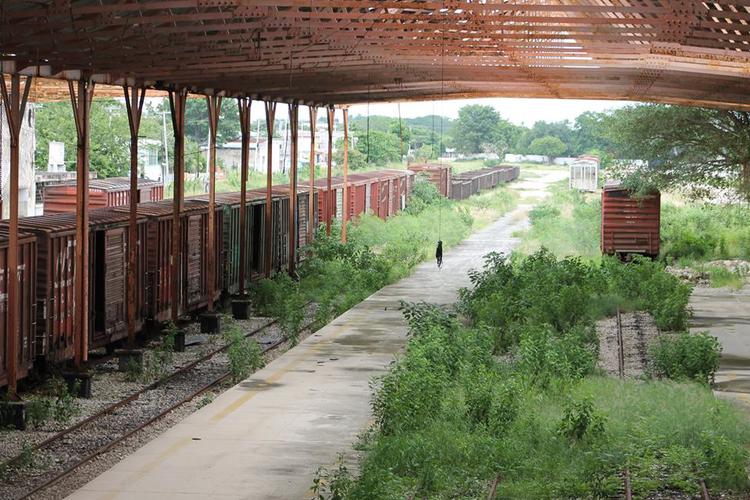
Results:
x,y
518,111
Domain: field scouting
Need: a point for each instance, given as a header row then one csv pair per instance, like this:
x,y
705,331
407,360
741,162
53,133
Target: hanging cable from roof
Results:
x,y
368,125
439,249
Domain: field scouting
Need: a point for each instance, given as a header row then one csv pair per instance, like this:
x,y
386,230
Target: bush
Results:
x,y
686,357
244,354
581,419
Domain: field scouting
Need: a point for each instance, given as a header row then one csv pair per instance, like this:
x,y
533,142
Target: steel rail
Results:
x,y
136,395
620,346
106,447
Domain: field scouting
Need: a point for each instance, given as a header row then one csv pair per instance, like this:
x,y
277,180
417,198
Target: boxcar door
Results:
x,y
114,280
194,264
302,204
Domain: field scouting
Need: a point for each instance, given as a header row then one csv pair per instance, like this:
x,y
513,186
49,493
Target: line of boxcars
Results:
x,y
47,255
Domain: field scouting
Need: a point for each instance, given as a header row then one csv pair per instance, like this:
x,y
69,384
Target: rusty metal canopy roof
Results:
x,y
345,51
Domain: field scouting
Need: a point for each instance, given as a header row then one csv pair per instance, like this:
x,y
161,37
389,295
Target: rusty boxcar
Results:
x,y
439,174
157,274
108,264
26,333
630,224
112,192
470,183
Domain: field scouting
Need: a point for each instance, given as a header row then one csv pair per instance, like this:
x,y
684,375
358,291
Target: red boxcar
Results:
x,y
26,334
630,225
440,175
108,265
112,192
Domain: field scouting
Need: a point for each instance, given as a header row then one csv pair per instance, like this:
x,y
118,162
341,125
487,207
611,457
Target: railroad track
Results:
x,y
83,442
620,347
629,491
627,486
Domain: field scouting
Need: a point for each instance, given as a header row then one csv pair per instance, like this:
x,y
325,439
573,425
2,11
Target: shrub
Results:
x,y
39,411
244,354
686,357
581,419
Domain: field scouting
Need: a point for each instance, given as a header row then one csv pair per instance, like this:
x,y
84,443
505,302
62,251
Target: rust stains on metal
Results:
x,y
345,198
270,115
81,102
294,136
214,110
177,103
15,107
134,100
244,106
630,224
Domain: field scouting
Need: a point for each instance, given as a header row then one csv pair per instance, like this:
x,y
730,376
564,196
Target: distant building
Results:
x,y
150,162
229,154
26,181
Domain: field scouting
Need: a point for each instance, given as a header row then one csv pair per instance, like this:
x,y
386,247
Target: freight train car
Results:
x,y
25,336
470,183
112,192
630,224
47,260
157,273
439,174
54,278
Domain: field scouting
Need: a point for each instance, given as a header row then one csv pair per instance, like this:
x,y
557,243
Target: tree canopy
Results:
x,y
548,146
689,148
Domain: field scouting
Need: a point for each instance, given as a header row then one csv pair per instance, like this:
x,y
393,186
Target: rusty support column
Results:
x,y
330,197
294,131
214,110
81,102
270,115
177,100
15,108
243,104
134,99
311,201
345,197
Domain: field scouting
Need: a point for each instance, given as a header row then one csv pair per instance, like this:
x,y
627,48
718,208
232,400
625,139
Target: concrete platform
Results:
x,y
725,314
266,437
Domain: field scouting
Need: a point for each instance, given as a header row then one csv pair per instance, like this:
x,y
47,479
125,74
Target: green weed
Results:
x,y
686,356
723,277
244,354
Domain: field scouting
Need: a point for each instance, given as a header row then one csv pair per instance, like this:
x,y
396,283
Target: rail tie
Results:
x,y
133,397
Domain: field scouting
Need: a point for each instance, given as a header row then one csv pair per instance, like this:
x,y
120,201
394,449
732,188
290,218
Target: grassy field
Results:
x,y
460,410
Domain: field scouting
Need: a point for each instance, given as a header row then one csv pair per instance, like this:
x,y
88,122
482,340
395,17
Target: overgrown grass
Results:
x,y
705,232
339,275
723,277
568,223
450,416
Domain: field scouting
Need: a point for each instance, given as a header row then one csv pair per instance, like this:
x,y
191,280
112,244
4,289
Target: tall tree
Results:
x,y
548,146
561,130
689,148
476,128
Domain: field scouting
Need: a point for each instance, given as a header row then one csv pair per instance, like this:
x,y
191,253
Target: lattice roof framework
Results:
x,y
336,52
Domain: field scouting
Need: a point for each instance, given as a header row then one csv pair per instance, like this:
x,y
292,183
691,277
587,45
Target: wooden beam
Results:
x,y
270,115
244,104
134,99
81,101
293,229
214,111
15,108
177,103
